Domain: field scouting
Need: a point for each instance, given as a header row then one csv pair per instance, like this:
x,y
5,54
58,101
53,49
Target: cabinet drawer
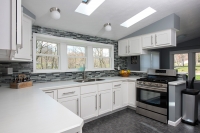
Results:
x,y
68,92
117,84
88,89
105,86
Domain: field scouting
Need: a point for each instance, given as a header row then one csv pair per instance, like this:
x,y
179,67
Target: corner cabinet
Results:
x,y
131,46
166,38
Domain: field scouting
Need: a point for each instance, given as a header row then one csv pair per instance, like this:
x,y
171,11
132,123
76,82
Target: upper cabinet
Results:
x,y
10,24
24,53
131,46
161,39
140,44
15,33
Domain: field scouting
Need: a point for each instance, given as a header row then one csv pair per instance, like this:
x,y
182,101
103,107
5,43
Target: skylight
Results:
x,y
90,7
138,17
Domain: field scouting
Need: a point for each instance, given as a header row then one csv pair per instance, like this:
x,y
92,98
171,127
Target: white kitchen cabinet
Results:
x,y
162,38
166,38
105,102
124,94
148,41
123,47
131,46
25,52
117,98
89,106
72,103
134,46
132,94
52,93
10,24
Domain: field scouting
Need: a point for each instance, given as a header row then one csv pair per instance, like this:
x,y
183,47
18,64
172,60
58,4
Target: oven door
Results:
x,y
152,97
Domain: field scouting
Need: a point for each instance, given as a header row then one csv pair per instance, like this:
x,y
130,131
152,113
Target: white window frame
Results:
x,y
191,60
110,57
63,43
74,70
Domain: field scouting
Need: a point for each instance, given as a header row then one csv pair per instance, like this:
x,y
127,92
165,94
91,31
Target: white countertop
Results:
x,y
30,110
178,82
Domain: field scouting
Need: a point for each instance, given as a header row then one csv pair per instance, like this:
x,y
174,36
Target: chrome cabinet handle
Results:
x,y
151,40
117,85
77,107
114,97
69,93
128,48
155,39
100,101
96,102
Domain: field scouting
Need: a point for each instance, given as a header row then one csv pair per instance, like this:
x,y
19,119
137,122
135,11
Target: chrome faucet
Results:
x,y
84,75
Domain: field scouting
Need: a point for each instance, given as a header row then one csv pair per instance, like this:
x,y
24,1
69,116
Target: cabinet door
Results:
x,y
89,107
134,46
124,94
123,47
72,103
162,38
25,52
132,94
105,102
147,41
117,98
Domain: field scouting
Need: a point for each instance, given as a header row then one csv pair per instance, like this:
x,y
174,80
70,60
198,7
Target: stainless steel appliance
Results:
x,y
152,94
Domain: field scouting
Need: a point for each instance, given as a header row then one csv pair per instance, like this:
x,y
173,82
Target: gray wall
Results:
x,y
170,22
165,53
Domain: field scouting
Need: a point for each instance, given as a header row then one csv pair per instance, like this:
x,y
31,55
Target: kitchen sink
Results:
x,y
88,80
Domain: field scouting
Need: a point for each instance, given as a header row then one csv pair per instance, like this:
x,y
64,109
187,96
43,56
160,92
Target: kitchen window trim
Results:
x,y
63,42
191,61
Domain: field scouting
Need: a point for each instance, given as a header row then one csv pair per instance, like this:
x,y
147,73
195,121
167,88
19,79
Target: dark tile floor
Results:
x,y
127,121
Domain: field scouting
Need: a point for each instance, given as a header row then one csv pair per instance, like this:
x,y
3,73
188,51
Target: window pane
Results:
x,y
101,62
197,67
101,52
47,62
76,51
74,63
43,47
181,62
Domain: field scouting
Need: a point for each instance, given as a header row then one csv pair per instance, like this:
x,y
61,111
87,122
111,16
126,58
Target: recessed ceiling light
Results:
x,y
138,17
88,7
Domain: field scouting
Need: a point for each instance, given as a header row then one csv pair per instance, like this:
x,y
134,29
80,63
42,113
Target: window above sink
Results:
x,y
59,54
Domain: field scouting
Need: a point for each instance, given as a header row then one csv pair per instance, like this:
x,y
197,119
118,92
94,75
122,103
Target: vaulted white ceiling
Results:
x,y
116,12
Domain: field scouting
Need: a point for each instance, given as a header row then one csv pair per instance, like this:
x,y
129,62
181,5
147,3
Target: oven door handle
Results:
x,y
153,88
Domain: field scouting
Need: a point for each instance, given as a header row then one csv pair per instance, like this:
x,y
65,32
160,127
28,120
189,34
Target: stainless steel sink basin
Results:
x,y
88,80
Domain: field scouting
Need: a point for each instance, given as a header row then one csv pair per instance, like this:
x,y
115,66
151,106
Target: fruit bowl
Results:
x,y
125,73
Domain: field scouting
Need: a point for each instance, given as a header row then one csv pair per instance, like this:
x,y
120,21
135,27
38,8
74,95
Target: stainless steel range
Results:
x,y
152,94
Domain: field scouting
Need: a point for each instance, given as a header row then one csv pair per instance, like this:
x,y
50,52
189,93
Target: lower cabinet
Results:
x,y
72,103
89,106
117,98
105,102
132,94
124,94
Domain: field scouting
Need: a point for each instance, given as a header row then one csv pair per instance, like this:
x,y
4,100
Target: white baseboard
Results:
x,y
174,123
